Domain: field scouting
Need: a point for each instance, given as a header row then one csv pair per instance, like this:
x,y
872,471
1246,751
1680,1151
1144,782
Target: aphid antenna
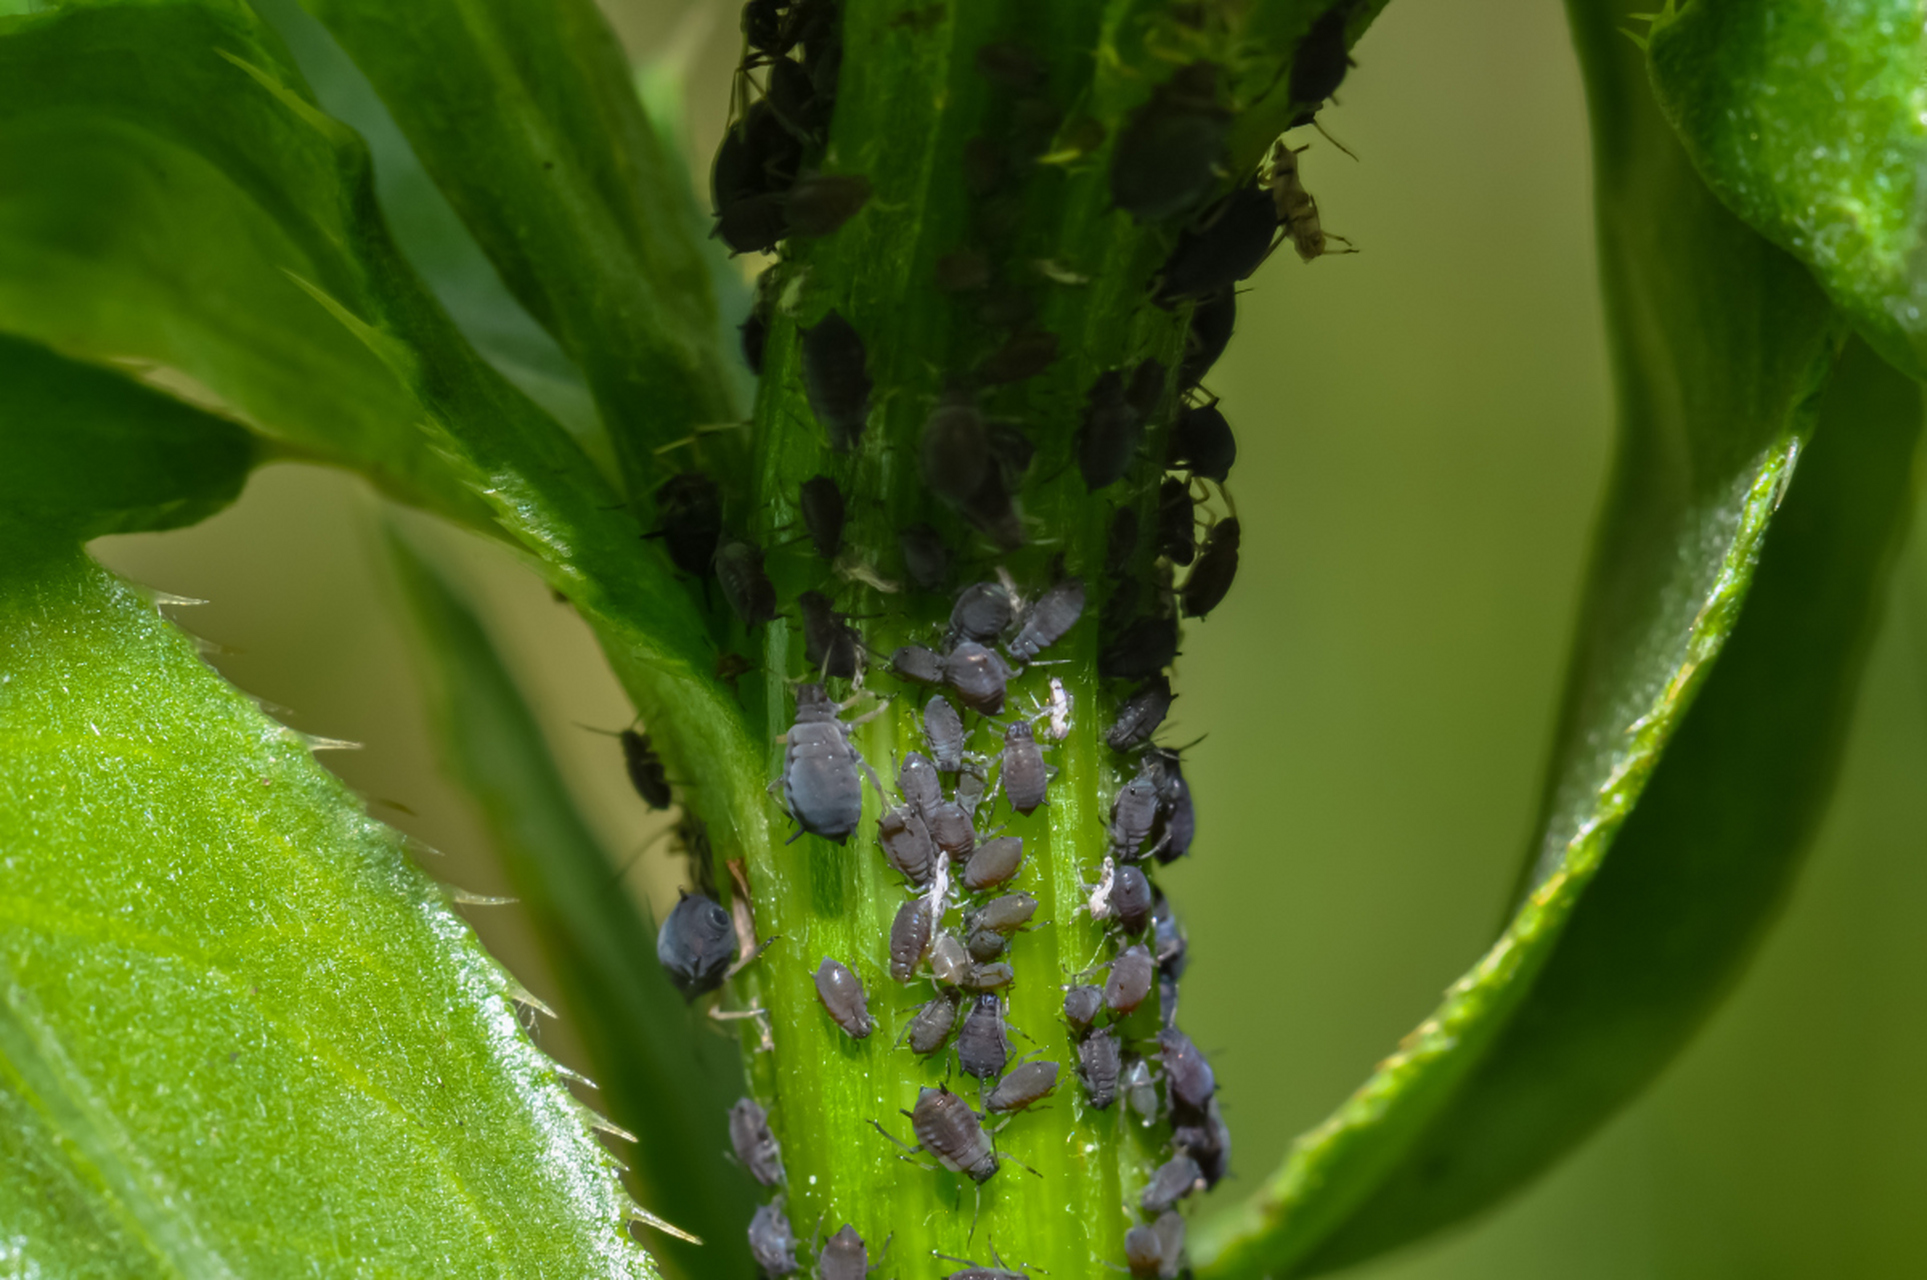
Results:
x,y
1319,125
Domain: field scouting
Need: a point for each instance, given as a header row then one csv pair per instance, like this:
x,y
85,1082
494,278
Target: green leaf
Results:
x,y
1808,118
661,1076
240,1034
527,119
1686,780
90,452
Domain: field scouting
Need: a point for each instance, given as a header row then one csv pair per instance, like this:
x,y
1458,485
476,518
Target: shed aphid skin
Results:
x,y
1081,1007
1047,621
1100,901
983,1046
1139,715
645,769
982,612
836,379
1168,152
1111,434
1057,710
1175,1179
771,1242
691,510
909,939
821,503
994,862
1024,1084
943,731
1131,900
1135,1086
842,995
746,586
1024,776
830,644
755,1146
696,944
1297,211
1130,980
820,780
949,962
1099,1061
929,1028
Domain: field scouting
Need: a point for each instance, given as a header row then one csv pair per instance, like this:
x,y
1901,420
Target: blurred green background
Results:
x,y
1424,429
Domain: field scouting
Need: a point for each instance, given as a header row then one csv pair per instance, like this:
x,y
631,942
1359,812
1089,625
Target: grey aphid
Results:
x,y
1167,998
1168,943
1055,613
1111,433
747,588
948,1129
984,944
993,863
982,612
1027,1083
1099,1060
906,843
1175,1179
1023,776
943,730
830,644
1176,825
755,1146
1139,715
930,1025
949,962
915,663
990,977
1081,1007
1130,980
1170,1233
843,1256
836,379
1005,915
771,1242
983,1047
1120,544
917,779
820,766
842,994
952,830
1144,1253
1133,811
970,791
1187,1076
696,944
821,503
1138,1091
909,939
1204,1137
1131,899
977,676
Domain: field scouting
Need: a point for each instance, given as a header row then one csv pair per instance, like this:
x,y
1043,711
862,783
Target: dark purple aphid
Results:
x,y
948,1129
993,863
1187,1076
1217,566
931,1024
1202,443
1141,650
755,1146
820,780
1140,715
645,769
1111,433
977,676
925,559
1099,1060
1206,337
982,612
1120,546
1177,820
1168,942
909,939
829,643
1167,154
952,830
1024,356
1005,915
1023,775
844,1256
691,510
1027,1083
919,782
1175,1179
906,843
771,1242
949,961
696,944
1319,65
1081,1007
1206,1139
836,377
943,730
739,568
953,453
821,503
1046,621
983,1047
842,994
990,977
1133,811
820,204
1223,247
917,664
1130,979
1131,899
1177,522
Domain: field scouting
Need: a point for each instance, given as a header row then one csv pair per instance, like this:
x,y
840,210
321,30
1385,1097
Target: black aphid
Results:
x,y
990,977
691,511
836,378
1187,1076
645,769
953,453
1131,899
1167,154
1120,545
754,223
943,730
949,961
952,830
917,779
844,1256
1201,442
1098,1062
821,203
1005,915
925,559
1146,393
1024,776
1177,522
994,862
1133,810
1319,65
1121,608
977,676
1175,1179
984,945
696,944
931,1024
982,612
1224,246
1206,1139
739,568
771,1242
1139,716
753,333
830,644
1177,820
948,1129
1024,356
755,165
1111,433
1081,1006
1046,621
821,503
1027,1083
1217,565
820,780
909,939
1168,942
1206,337
1141,650
755,1146
983,1046
842,994
1130,980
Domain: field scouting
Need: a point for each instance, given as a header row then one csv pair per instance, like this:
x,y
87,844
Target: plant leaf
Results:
x,y
239,1033
1806,119
662,1077
1682,791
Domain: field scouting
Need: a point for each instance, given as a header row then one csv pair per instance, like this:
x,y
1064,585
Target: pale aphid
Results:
x,y
1297,211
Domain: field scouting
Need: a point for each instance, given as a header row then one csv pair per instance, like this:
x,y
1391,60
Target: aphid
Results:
x,y
909,939
953,453
692,521
951,829
1223,247
1168,942
1141,650
842,994
1100,900
1177,522
829,643
1110,435
982,612
917,779
1133,810
753,333
836,378
1217,566
1167,154
1140,715
1131,899
755,1146
977,676
645,769
1187,1075
820,781
983,1047
821,203
1319,65
731,666
1177,821
1081,1007
976,1271
1295,207
948,1129
1170,1232
1130,980
906,842
1120,547
931,1024
764,28
993,863
1010,449
993,512
917,664
821,503
1175,1179
1055,613
754,223
1024,776
1005,915
790,95
696,944
755,164
1135,1086
1143,1252
1201,442
925,559
984,945
1146,394
970,792
1206,337
1058,710
1098,1063
989,977
943,730
1025,355
1121,608
747,588
1027,1082
844,1256
771,1242
949,962
1206,1139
